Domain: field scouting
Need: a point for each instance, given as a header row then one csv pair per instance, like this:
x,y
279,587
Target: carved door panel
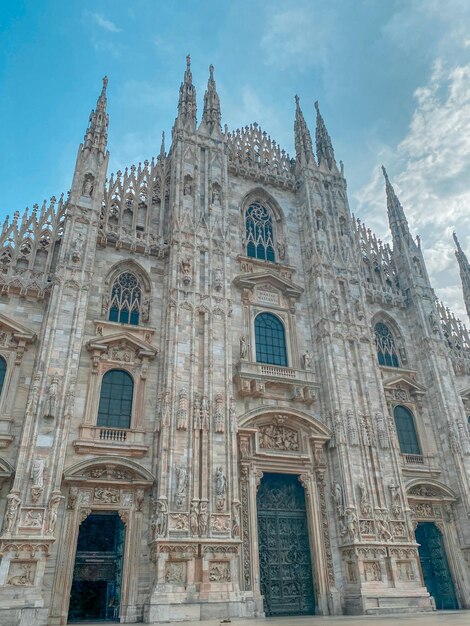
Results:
x,y
284,550
435,567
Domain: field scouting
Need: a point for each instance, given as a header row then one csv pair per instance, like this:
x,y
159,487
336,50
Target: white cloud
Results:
x,y
103,22
429,170
297,36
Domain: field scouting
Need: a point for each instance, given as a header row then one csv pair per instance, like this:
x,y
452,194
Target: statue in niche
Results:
x,y
194,518
220,488
281,250
52,397
203,518
159,523
187,188
186,270
37,472
52,513
338,498
181,480
218,278
216,195
243,347
33,399
351,523
364,501
235,519
307,360
334,303
13,503
88,184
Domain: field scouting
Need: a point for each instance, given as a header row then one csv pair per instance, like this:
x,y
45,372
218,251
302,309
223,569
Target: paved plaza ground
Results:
x,y
438,618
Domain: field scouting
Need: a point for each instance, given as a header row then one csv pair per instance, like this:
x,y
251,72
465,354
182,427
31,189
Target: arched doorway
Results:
x,y
435,566
97,576
284,551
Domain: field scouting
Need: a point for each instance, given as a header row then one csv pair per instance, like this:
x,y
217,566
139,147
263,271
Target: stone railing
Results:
x,y
275,381
126,442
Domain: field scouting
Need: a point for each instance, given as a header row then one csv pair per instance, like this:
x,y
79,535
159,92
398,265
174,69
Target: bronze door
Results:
x,y
284,549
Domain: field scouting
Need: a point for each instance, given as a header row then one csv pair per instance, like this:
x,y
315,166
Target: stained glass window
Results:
x,y
115,406
125,299
270,339
406,431
386,349
259,233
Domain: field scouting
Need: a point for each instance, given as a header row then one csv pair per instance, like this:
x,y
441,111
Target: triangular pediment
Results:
x,y
123,339
16,329
267,277
402,381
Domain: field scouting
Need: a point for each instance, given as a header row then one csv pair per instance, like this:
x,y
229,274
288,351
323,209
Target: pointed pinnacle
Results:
x,y
162,147
211,72
456,240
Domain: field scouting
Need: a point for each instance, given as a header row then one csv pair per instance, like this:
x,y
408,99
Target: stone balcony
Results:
x,y
105,440
413,464
275,381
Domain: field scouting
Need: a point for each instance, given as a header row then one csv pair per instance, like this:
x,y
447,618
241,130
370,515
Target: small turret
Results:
x,y
187,100
303,139
464,267
325,152
96,136
211,115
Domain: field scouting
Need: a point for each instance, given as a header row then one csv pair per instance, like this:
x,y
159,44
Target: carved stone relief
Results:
x,y
21,573
219,571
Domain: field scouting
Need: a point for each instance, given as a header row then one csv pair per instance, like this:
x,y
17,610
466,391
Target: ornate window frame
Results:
x,y
122,351
383,318
131,267
266,200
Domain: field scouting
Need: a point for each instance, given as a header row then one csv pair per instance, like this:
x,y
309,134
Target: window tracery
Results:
x,y
386,348
259,233
126,300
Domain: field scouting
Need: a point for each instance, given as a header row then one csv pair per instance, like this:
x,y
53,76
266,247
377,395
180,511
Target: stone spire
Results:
x,y
464,267
211,115
96,136
187,100
162,146
396,217
303,139
325,152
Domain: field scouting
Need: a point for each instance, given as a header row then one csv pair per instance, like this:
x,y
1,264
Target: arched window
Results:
x,y
3,371
270,339
259,233
115,406
125,299
386,348
406,431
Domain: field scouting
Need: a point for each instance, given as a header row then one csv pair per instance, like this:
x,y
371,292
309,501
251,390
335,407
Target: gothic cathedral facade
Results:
x,y
222,395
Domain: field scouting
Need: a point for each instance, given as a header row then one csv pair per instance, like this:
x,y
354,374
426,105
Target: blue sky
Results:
x,y
392,78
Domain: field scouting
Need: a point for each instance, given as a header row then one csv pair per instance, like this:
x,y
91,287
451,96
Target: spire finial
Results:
x,y
325,152
303,139
187,100
211,115
162,147
464,268
96,136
